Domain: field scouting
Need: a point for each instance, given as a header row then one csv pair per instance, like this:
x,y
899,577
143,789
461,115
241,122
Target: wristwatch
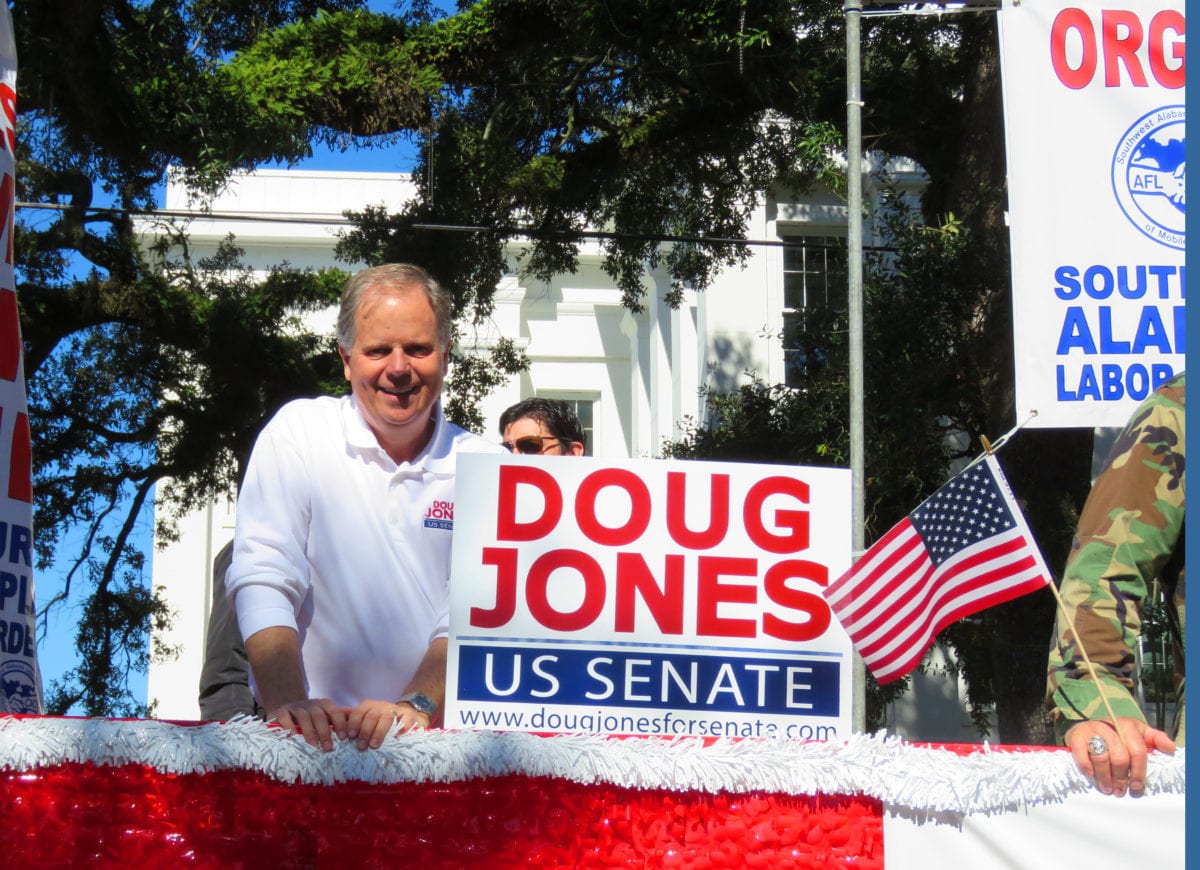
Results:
x,y
420,703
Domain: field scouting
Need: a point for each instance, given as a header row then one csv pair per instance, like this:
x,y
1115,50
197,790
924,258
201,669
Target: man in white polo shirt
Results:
x,y
341,560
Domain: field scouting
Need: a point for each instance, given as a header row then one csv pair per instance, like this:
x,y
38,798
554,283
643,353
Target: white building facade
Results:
x,y
634,378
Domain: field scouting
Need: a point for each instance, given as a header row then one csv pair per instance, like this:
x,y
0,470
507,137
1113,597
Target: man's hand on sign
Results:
x,y
370,721
1101,756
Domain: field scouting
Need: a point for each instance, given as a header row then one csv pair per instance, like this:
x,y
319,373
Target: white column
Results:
x,y
637,401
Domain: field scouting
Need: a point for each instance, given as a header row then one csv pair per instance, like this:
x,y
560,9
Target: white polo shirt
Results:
x,y
338,542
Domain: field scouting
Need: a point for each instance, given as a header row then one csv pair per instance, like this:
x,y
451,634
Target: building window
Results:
x,y
815,279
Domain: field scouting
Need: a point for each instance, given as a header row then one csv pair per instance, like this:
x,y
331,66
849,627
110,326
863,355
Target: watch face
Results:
x,y
421,702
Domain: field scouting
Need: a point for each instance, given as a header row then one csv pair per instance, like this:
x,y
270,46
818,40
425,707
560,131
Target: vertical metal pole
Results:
x,y
853,10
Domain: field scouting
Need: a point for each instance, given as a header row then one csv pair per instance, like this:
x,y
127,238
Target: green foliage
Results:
x,y
553,117
115,90
474,376
769,423
114,625
351,69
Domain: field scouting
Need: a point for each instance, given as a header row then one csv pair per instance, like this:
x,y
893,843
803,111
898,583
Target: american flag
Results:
x,y
966,548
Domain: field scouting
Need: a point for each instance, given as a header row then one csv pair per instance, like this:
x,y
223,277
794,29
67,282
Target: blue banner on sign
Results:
x,y
647,679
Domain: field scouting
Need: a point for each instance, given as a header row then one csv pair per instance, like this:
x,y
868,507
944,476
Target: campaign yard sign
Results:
x,y
648,597
1095,135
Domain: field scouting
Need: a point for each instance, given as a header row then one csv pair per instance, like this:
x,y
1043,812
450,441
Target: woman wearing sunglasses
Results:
x,y
541,427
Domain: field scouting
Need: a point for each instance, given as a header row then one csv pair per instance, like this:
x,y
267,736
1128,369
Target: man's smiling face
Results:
x,y
396,367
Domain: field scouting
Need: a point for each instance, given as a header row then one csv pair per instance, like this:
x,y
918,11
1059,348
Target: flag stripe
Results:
x,y
966,595
880,557
965,548
963,594
897,606
1001,593
907,561
956,577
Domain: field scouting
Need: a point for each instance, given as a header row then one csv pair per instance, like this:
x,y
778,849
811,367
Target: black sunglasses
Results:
x,y
530,445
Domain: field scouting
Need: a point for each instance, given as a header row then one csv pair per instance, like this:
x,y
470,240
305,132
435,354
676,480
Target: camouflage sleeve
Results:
x,y
1130,525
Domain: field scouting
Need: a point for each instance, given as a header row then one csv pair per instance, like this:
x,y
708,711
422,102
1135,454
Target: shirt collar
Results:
x,y
437,457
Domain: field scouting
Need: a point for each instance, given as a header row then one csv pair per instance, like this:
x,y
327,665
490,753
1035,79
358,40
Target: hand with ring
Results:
x,y
1116,764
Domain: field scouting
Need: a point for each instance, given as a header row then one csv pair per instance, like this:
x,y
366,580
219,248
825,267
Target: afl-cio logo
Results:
x,y
1148,175
20,691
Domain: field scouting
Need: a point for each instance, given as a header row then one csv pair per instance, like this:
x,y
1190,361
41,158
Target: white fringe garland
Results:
x,y
909,779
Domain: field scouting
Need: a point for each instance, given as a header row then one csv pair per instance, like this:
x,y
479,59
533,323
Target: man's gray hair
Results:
x,y
393,276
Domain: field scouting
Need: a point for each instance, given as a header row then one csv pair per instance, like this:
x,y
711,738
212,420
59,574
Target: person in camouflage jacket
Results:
x,y
1130,538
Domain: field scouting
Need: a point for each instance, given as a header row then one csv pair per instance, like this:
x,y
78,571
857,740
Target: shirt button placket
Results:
x,y
395,516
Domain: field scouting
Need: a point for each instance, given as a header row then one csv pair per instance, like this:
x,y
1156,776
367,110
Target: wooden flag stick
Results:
x,y
989,449
1112,716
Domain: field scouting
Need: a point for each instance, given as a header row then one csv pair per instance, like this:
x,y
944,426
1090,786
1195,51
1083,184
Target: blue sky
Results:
x,y
397,158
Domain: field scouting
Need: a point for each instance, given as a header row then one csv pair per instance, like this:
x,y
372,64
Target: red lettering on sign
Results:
x,y
20,486
10,336
538,585
775,516
1172,72
639,514
1066,22
505,560
795,522
1122,40
507,526
1122,37
635,580
8,102
713,593
665,599
718,520
775,584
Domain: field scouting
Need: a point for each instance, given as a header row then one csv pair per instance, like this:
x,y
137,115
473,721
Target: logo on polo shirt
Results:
x,y
440,515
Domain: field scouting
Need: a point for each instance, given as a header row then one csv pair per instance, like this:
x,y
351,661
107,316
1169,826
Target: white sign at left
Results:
x,y
20,679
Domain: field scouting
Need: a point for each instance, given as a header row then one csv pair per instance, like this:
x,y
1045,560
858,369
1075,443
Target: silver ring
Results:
x,y
1097,746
